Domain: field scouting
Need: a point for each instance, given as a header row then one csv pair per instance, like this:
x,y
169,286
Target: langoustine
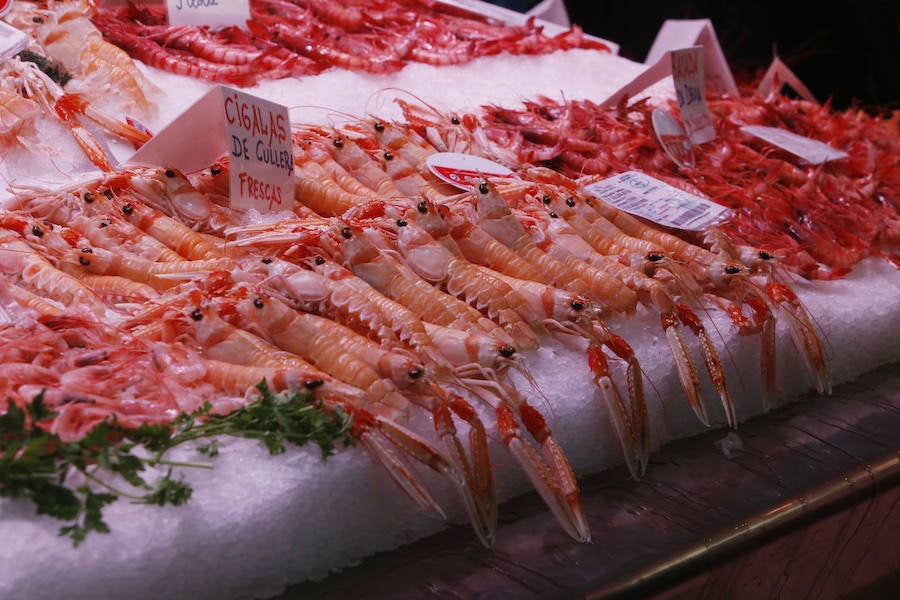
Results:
x,y
350,236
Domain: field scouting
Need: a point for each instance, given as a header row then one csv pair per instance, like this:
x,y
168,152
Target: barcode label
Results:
x,y
644,196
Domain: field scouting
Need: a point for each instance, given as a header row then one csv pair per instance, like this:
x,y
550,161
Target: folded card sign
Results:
x,y
254,133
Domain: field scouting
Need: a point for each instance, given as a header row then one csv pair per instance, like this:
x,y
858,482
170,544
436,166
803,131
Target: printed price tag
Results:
x,y
12,41
464,170
214,13
811,151
255,133
690,86
645,196
672,138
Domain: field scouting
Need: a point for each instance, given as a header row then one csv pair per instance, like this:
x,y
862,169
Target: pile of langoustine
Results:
x,y
819,220
66,80
285,38
383,293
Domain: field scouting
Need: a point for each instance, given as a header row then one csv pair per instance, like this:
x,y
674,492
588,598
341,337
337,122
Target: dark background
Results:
x,y
846,51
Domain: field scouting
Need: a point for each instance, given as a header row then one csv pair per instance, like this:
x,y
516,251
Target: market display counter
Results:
x,y
800,502
806,506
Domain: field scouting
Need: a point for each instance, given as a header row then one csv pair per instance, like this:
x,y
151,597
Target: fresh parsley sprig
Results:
x,y
36,464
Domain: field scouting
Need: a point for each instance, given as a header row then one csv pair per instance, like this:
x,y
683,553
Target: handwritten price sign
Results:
x,y
253,132
214,13
262,162
687,72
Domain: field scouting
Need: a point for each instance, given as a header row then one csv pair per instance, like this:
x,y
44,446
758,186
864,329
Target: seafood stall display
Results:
x,y
199,398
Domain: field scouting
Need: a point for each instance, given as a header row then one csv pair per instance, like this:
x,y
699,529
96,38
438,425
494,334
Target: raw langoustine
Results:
x,y
287,39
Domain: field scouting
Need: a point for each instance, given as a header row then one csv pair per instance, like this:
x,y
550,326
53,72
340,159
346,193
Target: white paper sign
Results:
x,y
690,87
262,159
676,34
644,196
465,171
779,75
255,133
12,41
214,13
811,151
683,33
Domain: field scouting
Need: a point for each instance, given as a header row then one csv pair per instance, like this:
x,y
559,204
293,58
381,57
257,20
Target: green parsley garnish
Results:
x,y
35,464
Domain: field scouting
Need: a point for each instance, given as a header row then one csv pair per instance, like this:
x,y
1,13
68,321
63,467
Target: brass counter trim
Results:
x,y
861,482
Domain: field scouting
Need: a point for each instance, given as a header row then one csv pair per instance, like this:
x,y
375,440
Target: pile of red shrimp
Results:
x,y
820,220
296,37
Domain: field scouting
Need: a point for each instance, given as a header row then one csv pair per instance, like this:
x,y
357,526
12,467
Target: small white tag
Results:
x,y
12,41
256,135
214,13
644,196
673,139
690,86
465,171
811,151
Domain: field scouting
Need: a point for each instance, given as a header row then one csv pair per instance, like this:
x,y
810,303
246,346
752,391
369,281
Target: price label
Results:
x,y
214,13
262,160
811,151
464,170
254,133
12,41
690,87
644,196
